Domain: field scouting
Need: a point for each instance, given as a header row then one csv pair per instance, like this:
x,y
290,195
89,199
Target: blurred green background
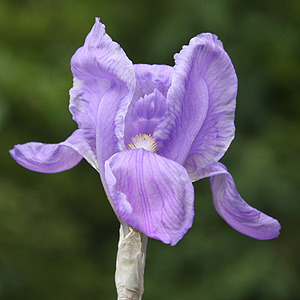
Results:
x,y
58,234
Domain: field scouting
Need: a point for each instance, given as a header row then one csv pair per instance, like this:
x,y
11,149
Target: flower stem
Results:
x,y
130,264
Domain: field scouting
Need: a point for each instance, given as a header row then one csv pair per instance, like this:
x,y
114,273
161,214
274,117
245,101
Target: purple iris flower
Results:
x,y
150,131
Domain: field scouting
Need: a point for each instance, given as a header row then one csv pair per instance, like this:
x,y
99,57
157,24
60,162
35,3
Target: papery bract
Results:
x,y
185,113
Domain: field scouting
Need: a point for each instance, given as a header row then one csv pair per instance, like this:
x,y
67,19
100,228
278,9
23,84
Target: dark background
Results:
x,y
58,234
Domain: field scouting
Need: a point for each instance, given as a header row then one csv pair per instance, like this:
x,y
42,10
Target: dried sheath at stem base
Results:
x,y
130,263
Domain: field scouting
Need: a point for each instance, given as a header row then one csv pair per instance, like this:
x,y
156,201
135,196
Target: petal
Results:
x,y
151,193
200,103
145,115
150,77
79,142
104,83
53,158
233,209
149,99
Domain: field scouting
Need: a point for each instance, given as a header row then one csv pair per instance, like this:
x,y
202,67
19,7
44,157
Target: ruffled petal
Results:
x,y
200,104
145,115
149,100
151,193
104,82
53,158
150,77
233,209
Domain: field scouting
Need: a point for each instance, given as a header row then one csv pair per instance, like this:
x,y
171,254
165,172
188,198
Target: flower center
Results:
x,y
145,141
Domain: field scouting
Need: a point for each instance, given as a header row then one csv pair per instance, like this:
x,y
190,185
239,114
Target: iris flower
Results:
x,y
150,131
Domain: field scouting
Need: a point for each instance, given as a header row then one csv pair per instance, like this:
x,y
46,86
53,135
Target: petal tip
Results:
x,y
272,231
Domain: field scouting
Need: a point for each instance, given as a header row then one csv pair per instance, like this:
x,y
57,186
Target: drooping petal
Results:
x,y
200,103
145,115
104,82
233,209
151,193
53,158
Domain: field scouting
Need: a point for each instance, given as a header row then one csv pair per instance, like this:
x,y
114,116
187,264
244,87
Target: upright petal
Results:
x,y
232,208
151,193
104,82
145,115
200,103
149,100
150,77
53,158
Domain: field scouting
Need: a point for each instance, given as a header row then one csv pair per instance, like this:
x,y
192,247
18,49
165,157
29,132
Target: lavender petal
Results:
x,y
53,158
233,209
151,193
200,104
104,83
145,115
150,77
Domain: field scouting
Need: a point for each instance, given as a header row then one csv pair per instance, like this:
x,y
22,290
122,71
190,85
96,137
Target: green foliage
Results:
x,y
58,234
